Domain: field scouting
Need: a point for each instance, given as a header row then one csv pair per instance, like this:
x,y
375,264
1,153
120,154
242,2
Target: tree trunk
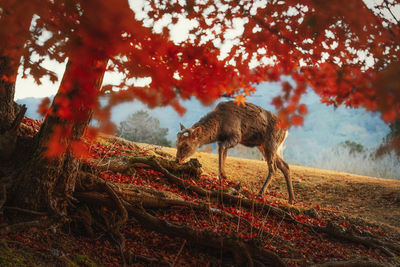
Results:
x,y
8,108
13,35
47,183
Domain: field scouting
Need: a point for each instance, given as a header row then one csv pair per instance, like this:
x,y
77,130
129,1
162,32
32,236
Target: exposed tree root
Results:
x,y
390,249
333,230
3,197
123,200
120,207
133,258
212,195
115,231
351,263
31,212
227,199
154,199
151,198
25,225
190,169
245,253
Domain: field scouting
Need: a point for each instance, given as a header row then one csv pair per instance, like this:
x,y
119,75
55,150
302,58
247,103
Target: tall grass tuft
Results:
x,y
348,157
344,159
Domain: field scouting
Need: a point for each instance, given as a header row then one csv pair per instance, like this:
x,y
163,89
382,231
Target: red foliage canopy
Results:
x,y
346,57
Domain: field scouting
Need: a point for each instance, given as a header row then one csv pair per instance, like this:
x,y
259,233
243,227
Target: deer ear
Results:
x,y
182,127
197,132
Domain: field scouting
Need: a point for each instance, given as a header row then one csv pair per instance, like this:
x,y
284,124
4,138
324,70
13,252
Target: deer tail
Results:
x,y
281,146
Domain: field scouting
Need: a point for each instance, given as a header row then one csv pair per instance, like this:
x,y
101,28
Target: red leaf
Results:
x,y
44,107
54,145
297,120
302,109
277,102
389,115
80,149
240,100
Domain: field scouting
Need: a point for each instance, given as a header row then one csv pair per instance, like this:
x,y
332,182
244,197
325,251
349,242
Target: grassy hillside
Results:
x,y
187,220
374,199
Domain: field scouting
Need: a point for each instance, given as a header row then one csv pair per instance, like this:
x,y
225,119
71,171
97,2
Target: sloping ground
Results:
x,y
373,199
337,217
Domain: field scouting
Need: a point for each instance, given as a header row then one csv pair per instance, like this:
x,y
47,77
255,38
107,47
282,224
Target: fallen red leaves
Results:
x,y
33,124
288,240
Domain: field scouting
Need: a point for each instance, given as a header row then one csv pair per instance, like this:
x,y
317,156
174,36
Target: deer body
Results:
x,y
229,125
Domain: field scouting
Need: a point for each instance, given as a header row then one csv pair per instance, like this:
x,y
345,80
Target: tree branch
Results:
x,y
391,12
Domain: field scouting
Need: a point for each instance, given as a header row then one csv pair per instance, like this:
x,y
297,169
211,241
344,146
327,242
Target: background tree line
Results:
x,y
143,128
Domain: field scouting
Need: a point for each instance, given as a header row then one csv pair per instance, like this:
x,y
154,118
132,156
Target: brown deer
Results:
x,y
230,124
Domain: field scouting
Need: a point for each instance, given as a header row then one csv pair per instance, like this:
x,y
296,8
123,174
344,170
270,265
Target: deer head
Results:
x,y
187,142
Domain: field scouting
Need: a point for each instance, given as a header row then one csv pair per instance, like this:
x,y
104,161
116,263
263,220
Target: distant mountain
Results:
x,y
32,104
324,127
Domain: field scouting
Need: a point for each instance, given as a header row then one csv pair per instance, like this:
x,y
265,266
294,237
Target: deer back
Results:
x,y
252,124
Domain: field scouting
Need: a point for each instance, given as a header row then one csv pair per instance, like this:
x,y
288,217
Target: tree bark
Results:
x,y
15,31
12,40
47,183
7,90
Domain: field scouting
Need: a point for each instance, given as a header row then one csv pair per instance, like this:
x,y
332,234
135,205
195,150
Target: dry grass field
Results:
x,y
374,199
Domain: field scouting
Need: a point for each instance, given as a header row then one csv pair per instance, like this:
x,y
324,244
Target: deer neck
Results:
x,y
209,126
210,136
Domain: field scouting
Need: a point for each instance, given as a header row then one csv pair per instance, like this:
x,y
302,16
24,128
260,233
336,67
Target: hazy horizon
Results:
x,y
323,130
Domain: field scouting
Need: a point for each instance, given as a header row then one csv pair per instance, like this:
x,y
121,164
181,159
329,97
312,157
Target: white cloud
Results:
x,y
28,88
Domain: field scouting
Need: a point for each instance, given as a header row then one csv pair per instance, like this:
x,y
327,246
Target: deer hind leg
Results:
x,y
284,167
267,180
271,169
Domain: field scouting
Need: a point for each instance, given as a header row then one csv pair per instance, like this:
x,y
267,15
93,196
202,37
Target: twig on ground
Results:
x,y
4,197
32,212
120,222
179,252
25,226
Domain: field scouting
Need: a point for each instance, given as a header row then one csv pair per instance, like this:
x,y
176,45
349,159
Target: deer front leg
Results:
x,y
223,147
222,152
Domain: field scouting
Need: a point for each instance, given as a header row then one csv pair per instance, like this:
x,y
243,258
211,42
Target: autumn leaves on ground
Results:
x,y
338,218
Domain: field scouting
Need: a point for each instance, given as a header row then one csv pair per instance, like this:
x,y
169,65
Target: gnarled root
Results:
x,y
221,197
244,254
351,263
190,169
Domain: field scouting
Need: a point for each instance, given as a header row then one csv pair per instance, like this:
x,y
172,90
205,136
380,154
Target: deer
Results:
x,y
230,124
